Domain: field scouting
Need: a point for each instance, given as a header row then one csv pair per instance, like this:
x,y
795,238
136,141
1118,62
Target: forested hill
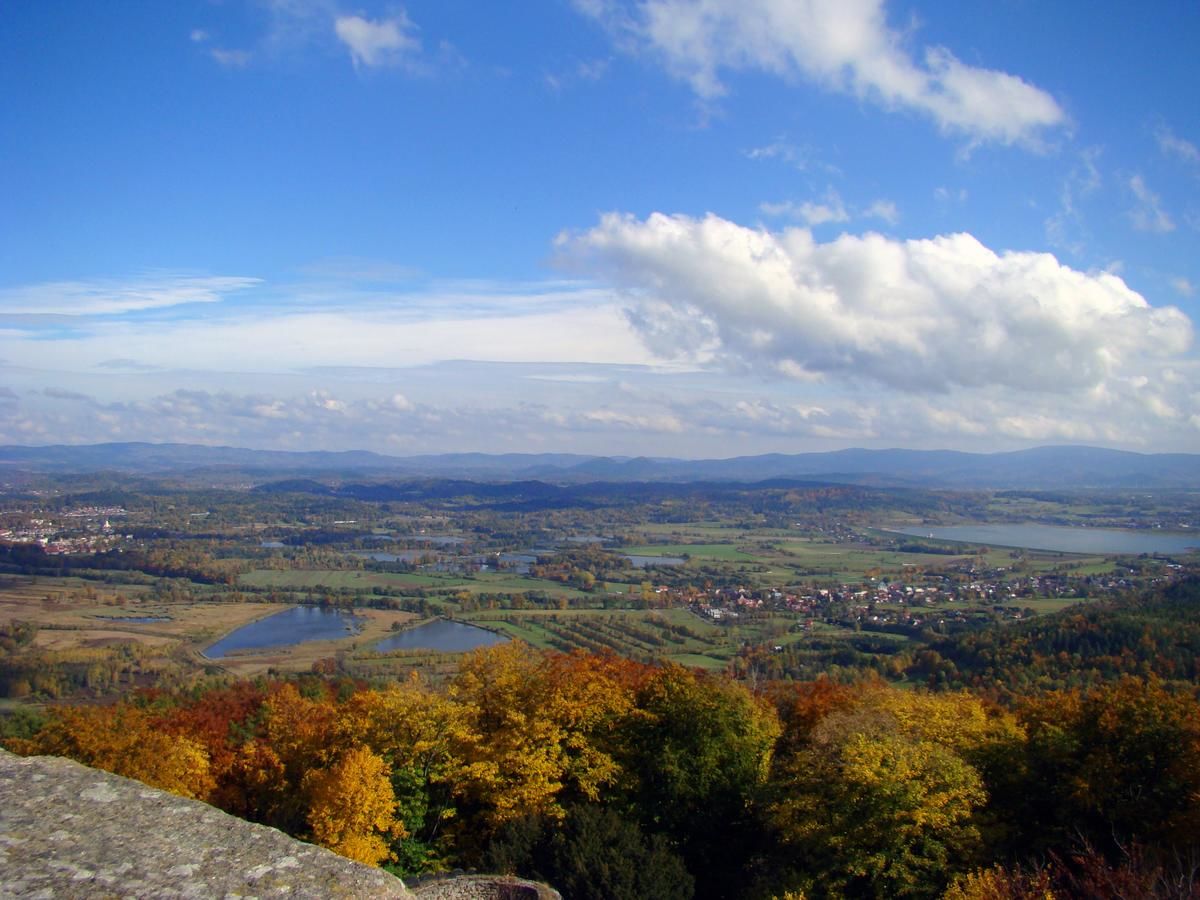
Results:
x,y
780,496
1156,633
1040,467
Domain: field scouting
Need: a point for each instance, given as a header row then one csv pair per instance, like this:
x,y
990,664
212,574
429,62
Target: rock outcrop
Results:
x,y
67,831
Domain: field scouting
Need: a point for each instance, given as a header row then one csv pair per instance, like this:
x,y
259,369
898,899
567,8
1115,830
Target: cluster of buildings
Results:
x,y
85,529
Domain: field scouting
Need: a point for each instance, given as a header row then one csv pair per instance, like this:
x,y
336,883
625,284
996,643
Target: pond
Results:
x,y
640,562
292,626
443,636
1062,538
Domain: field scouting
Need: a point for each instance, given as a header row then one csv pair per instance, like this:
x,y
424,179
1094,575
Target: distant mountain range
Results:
x,y
1039,468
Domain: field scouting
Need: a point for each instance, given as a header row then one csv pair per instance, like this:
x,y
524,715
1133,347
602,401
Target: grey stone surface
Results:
x,y
67,831
483,887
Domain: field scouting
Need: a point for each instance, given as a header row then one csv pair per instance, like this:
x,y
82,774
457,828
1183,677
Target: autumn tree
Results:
x,y
351,807
884,797
697,751
536,727
126,741
1117,763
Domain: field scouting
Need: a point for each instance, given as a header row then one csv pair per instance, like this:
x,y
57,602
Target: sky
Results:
x,y
691,228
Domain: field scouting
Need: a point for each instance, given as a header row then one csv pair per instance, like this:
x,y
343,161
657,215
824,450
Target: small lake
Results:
x,y
292,626
443,636
1061,538
640,562
272,545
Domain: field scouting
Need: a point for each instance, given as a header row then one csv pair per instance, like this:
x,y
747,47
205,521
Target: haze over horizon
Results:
x,y
688,228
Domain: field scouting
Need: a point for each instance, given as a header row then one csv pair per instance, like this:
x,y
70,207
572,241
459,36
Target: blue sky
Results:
x,y
663,227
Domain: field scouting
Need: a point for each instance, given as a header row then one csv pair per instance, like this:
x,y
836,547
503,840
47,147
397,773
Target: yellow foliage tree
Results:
x,y
536,726
351,807
125,741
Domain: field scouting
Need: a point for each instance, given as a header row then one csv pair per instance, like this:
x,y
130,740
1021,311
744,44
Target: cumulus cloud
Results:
x,y
372,43
916,315
1148,213
107,297
845,45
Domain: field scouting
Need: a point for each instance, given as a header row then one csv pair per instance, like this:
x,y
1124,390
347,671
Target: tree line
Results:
x,y
616,779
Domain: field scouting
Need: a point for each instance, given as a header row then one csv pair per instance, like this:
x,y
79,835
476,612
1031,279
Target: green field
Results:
x,y
723,552
353,579
340,579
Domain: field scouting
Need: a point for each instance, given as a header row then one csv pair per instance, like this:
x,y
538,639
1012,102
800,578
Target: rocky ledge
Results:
x,y
67,831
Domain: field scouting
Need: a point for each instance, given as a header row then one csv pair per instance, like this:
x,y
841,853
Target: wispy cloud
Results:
x,y
1172,145
830,209
1148,214
231,59
109,297
848,47
378,42
802,159
1066,228
885,210
587,71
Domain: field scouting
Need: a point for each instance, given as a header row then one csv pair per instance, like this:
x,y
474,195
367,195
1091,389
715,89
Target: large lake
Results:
x,y
442,636
1064,539
292,626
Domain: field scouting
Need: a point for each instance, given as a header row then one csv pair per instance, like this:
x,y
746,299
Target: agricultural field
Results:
x,y
774,580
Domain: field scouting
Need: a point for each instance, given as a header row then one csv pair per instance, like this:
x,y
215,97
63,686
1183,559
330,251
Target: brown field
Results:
x,y
72,614
89,638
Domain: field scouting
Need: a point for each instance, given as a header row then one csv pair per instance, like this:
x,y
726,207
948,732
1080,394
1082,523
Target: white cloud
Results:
x,y
231,59
373,43
589,71
831,209
1066,229
917,315
91,298
663,422
885,210
1148,215
802,159
1183,287
1172,145
845,45
397,329
946,196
